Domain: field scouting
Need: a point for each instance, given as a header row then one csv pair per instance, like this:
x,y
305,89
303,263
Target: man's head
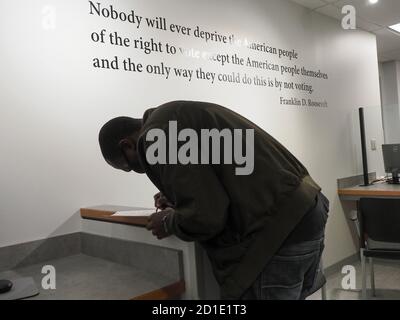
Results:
x,y
118,139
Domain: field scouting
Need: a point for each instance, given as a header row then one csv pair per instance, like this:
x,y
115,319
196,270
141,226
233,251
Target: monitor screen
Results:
x,y
391,157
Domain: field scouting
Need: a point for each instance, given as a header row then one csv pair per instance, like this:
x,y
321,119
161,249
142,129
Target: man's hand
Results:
x,y
156,223
161,202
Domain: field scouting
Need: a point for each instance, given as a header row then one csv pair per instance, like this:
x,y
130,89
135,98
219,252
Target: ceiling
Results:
x,y
374,18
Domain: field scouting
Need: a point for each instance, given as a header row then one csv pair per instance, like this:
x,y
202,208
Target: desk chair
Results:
x,y
379,222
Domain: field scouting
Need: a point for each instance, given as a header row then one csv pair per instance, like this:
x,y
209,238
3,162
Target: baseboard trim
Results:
x,y
337,267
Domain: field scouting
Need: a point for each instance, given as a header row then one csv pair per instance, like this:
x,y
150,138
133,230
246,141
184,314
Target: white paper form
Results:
x,y
134,213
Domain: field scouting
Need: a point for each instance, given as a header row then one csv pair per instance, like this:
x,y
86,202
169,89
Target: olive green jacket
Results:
x,y
240,220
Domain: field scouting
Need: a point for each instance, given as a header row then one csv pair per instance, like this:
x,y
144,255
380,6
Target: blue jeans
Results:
x,y
292,272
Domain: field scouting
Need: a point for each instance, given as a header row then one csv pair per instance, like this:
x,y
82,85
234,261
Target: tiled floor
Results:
x,y
85,277
387,283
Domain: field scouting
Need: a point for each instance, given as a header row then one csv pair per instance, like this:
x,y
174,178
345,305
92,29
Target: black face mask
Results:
x,y
133,162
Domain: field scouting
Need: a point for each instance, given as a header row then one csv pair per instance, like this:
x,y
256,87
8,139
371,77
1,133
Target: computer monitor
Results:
x,y
391,158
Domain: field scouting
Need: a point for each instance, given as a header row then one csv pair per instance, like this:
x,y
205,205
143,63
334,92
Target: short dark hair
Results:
x,y
113,132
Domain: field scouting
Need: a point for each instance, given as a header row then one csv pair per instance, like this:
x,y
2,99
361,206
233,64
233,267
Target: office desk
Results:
x,y
199,281
105,212
377,190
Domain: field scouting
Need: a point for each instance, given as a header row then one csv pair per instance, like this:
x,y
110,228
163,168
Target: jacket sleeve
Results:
x,y
201,203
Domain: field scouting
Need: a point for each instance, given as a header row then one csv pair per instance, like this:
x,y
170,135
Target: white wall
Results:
x,y
53,103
